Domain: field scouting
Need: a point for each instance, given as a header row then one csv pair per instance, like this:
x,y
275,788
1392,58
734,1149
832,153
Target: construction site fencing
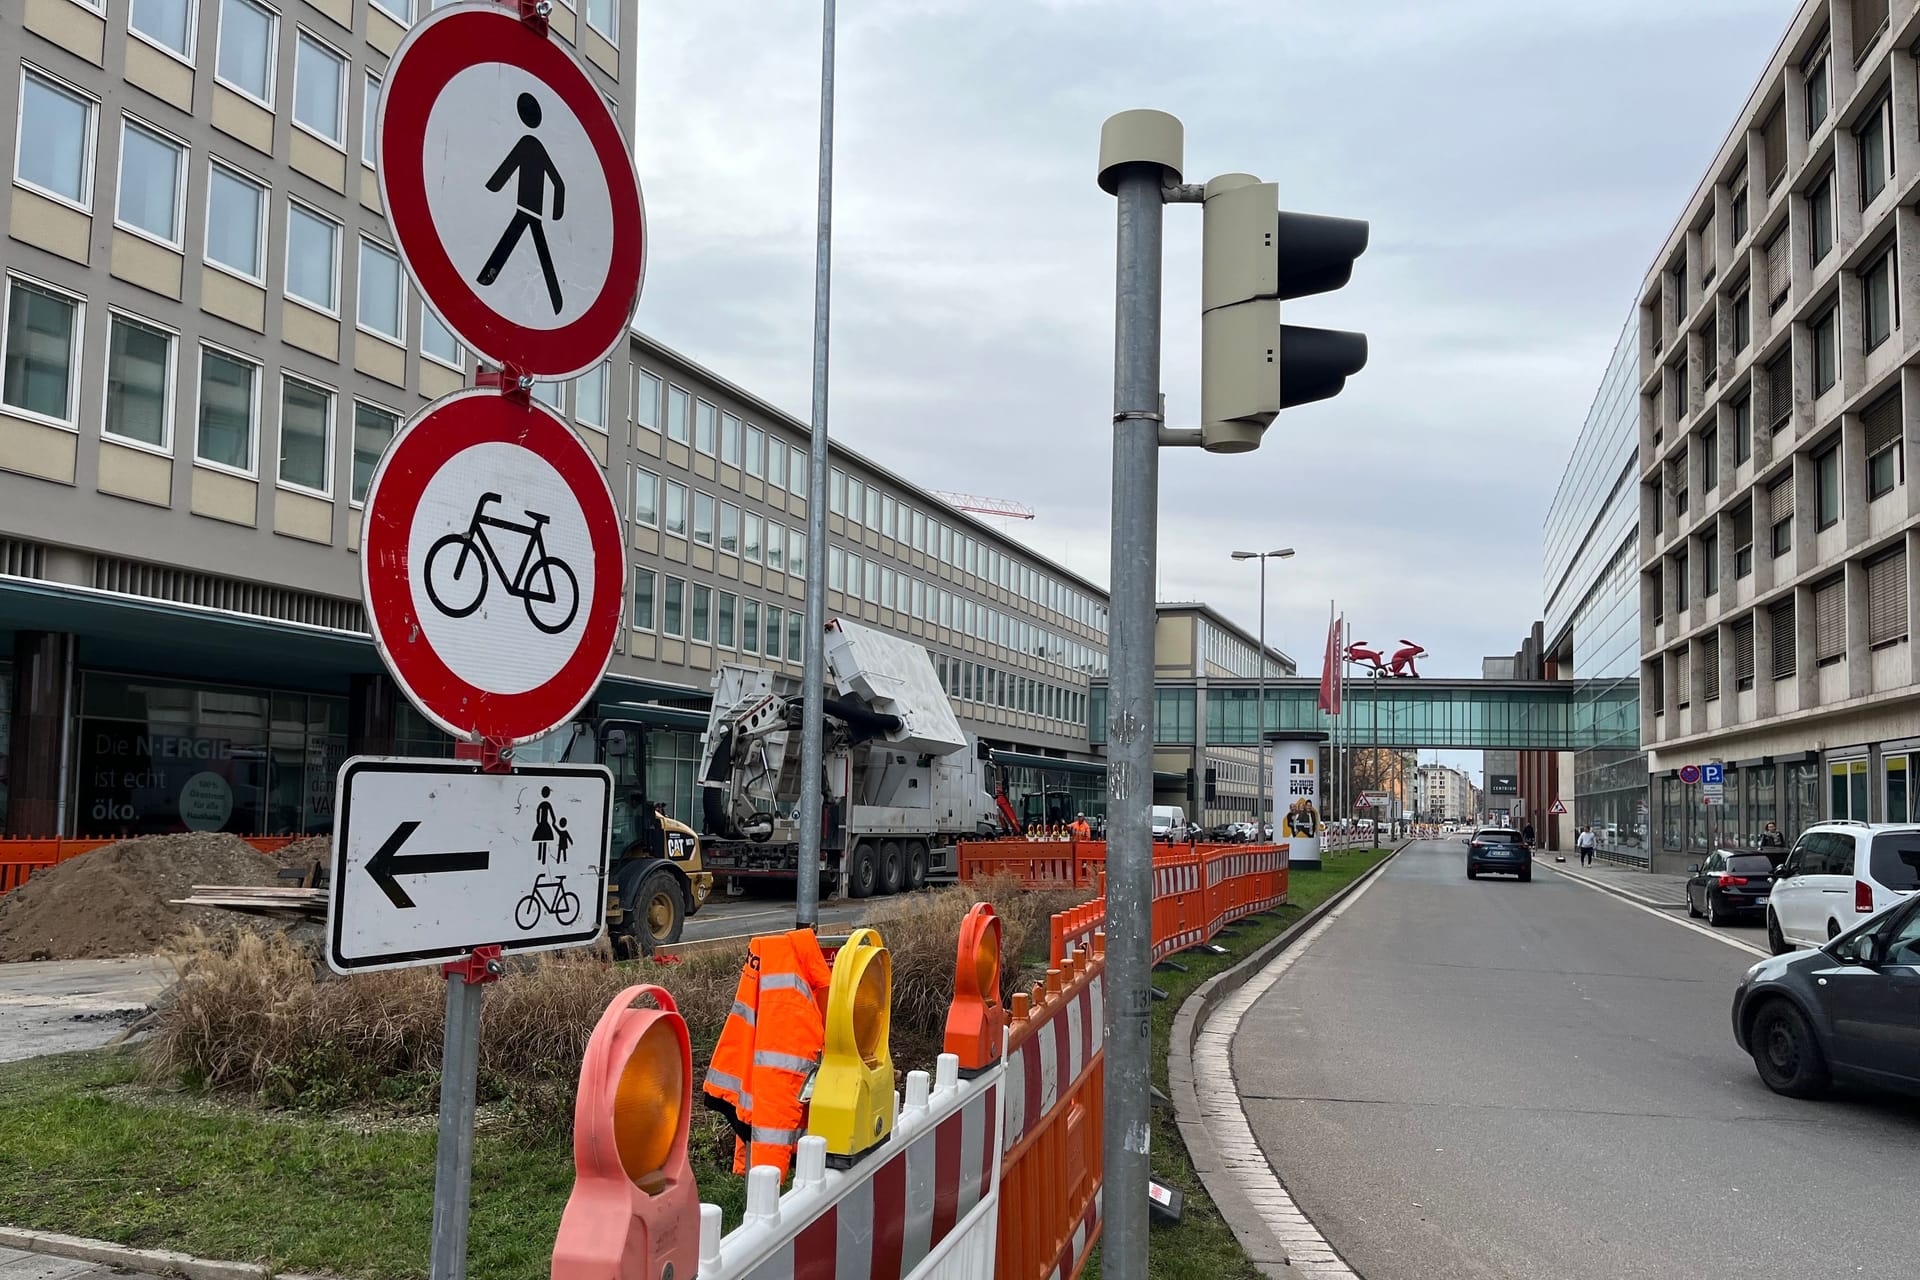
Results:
x,y
21,856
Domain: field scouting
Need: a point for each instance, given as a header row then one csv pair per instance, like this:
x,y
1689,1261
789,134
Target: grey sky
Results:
x,y
1520,164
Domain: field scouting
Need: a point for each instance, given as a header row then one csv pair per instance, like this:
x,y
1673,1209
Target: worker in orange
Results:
x,y
1082,830
770,1048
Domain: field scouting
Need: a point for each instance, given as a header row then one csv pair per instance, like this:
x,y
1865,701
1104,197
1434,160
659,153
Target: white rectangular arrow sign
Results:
x,y
432,858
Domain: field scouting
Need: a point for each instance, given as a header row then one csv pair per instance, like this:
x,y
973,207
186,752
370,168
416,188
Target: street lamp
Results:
x,y
1260,720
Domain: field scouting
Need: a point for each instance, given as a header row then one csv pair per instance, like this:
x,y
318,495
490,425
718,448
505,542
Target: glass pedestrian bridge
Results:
x,y
1427,713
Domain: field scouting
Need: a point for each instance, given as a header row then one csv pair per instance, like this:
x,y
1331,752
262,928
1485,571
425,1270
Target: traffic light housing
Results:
x,y
1253,256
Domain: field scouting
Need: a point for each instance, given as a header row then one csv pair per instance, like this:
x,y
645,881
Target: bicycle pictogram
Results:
x,y
545,584
562,901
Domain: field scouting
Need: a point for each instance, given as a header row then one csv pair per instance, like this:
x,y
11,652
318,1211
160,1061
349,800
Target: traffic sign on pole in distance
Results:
x,y
434,858
510,190
492,567
1558,808
1689,773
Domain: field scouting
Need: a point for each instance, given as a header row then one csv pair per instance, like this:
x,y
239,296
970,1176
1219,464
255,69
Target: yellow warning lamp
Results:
x,y
976,1019
634,1210
852,1104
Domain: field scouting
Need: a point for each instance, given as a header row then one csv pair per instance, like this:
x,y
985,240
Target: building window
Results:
x,y
370,120
604,16
1880,284
729,440
756,460
139,406
646,399
590,396
679,407
706,421
794,622
1742,320
726,607
1743,654
437,341
550,394
1737,205
797,553
244,59
1677,282
1710,564
672,607
676,523
750,538
42,353
151,186
776,463
1826,351
1887,599
1780,514
236,212
373,430
319,90
730,528
703,518
646,498
1677,575
1820,219
313,258
401,11
229,408
306,430
749,626
1874,137
836,569
1707,650
856,501
1773,144
1882,423
1779,388
700,630
796,471
54,151
776,622
1816,73
776,547
643,584
166,23
1709,459
1830,621
1742,429
381,311
837,492
1780,620
1826,487
1743,541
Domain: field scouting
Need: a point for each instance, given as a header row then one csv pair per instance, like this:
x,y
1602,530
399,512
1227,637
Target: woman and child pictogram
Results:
x,y
549,830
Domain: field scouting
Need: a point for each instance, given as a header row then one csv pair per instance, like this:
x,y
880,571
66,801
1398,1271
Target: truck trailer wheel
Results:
x,y
863,876
916,865
653,908
893,867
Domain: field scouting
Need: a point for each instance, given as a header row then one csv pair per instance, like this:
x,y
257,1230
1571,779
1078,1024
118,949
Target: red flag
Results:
x,y
1330,667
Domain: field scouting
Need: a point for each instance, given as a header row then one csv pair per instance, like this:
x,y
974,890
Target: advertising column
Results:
x,y
1296,797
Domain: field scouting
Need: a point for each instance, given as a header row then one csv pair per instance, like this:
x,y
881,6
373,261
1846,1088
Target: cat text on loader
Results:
x,y
904,783
655,878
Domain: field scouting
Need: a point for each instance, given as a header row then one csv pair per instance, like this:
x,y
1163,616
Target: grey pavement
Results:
x,y
1491,1079
56,1006
18,1264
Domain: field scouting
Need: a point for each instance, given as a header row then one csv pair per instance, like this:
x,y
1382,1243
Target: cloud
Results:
x,y
1520,165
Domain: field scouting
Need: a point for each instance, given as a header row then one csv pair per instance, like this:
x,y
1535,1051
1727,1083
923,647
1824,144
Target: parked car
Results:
x,y
1848,1011
1838,874
1498,849
1730,886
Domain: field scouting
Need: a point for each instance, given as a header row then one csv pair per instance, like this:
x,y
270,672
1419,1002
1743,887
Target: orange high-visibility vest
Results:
x,y
1082,830
771,1045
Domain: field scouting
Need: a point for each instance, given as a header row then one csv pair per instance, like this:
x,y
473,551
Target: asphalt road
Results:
x,y
1496,1079
725,917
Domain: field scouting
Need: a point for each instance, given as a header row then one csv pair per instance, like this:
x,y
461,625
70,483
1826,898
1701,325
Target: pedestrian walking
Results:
x,y
1526,835
1771,838
1585,841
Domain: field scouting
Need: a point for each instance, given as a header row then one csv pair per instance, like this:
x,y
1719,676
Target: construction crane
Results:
x,y
1006,507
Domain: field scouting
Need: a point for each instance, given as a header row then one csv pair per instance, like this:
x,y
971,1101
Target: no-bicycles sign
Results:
x,y
492,567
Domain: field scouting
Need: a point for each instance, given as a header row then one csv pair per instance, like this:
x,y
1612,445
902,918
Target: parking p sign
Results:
x,y
1713,779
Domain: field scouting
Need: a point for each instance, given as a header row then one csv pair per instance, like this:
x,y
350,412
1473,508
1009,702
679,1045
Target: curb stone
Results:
x,y
1267,1253
165,1262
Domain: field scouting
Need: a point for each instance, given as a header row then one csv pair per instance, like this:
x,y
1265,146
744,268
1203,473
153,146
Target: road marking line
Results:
x,y
1639,904
1306,1248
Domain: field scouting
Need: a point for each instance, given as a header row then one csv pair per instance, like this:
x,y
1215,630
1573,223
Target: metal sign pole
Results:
x,y
459,1072
806,898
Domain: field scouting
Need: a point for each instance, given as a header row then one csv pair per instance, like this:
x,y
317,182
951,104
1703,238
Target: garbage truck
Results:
x,y
903,782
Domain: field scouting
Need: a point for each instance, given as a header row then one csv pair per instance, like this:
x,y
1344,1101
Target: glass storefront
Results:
x,y
1898,770
1847,789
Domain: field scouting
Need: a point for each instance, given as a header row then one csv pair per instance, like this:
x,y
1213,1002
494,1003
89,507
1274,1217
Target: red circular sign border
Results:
x,y
433,52
422,447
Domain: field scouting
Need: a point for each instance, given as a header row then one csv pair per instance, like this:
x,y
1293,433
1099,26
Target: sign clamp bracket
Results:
x,y
509,380
535,14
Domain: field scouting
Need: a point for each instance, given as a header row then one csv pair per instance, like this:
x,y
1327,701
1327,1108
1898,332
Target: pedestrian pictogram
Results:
x,y
1557,807
511,191
492,570
434,858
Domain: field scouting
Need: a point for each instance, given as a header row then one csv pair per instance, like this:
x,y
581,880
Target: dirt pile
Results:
x,y
117,900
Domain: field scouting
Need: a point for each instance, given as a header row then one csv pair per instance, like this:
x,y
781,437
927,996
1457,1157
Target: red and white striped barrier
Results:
x,y
1051,1058
923,1208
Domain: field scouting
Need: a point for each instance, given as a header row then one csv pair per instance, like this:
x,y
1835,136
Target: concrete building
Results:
x,y
208,341
1443,793
1779,367
1591,595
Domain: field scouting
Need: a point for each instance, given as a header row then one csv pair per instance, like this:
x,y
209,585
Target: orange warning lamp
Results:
x,y
976,1021
635,1212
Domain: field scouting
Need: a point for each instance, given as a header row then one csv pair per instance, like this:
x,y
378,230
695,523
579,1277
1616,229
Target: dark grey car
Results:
x,y
1849,1011
1498,849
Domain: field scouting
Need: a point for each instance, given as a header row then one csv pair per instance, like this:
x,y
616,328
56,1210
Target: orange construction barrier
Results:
x,y
976,1021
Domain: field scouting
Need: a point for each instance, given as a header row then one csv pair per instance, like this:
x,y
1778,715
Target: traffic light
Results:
x,y
1254,255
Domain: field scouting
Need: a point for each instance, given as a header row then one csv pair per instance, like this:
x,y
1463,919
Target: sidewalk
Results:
x,y
1655,889
18,1264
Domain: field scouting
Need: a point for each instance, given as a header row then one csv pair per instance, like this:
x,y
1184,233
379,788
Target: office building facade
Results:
x,y
1779,373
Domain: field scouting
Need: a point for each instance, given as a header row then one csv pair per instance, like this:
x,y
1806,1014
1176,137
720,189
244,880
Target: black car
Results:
x,y
1849,1011
1729,886
1499,849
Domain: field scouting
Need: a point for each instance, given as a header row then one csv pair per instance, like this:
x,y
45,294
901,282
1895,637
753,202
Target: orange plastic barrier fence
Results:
x,y
21,856
1050,1166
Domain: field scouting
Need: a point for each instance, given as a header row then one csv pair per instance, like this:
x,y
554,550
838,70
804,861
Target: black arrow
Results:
x,y
387,863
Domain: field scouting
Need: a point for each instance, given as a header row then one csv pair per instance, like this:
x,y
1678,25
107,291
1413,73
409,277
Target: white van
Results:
x,y
1169,823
